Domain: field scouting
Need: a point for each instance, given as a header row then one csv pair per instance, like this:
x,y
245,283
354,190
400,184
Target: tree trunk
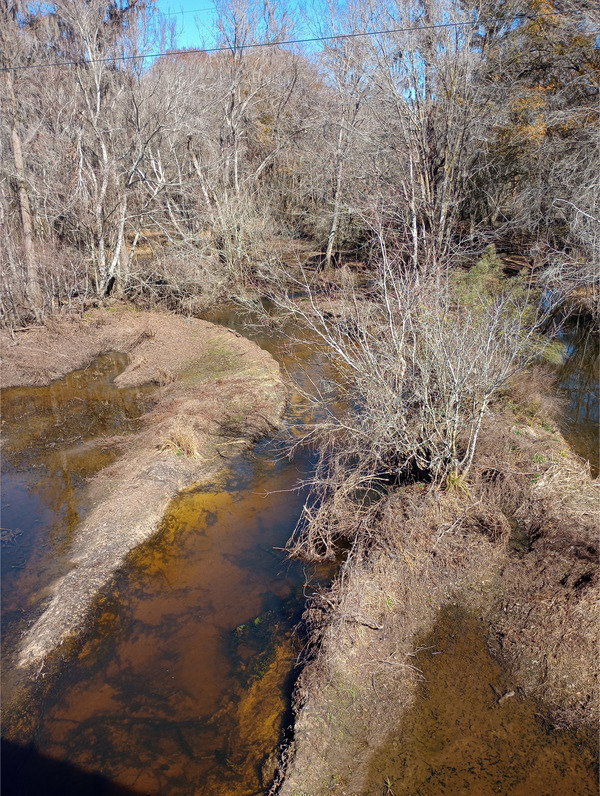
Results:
x,y
33,291
112,281
335,219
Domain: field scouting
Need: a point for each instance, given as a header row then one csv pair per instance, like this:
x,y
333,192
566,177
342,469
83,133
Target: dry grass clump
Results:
x,y
182,439
544,618
530,393
418,555
544,604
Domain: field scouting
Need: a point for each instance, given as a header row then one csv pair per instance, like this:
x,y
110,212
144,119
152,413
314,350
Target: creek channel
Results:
x,y
578,377
182,685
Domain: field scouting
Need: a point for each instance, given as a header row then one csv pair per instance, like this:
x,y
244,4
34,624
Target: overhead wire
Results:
x,y
288,42
188,11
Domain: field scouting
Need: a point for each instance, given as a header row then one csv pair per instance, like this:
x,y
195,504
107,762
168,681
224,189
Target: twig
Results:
x,y
373,684
363,620
403,665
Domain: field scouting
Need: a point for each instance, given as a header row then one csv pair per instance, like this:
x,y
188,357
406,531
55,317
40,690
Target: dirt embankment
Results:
x,y
518,549
218,393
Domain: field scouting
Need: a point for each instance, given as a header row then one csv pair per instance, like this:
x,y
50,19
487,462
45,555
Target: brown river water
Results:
x,y
182,686
469,732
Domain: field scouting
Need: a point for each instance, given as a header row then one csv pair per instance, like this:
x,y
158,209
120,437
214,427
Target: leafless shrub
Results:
x,y
418,369
181,279
64,283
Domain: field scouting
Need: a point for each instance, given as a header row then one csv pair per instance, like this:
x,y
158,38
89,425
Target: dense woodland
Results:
x,y
451,132
456,124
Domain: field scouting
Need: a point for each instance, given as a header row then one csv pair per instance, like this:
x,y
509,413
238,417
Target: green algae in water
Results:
x,y
463,735
252,646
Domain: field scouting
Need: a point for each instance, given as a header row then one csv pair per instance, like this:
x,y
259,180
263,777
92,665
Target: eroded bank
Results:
x,y
516,552
149,685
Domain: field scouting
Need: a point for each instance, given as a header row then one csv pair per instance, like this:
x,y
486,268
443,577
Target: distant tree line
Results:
x,y
177,175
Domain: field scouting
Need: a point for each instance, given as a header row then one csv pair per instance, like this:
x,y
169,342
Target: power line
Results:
x,y
288,42
188,11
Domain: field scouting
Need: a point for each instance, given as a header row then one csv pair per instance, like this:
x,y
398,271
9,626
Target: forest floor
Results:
x,y
217,393
515,552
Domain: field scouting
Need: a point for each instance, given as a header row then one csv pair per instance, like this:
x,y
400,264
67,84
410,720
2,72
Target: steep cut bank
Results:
x,y
218,392
516,551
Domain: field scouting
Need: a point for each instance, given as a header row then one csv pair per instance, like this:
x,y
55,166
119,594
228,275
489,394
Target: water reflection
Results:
x,y
182,685
182,689
54,439
578,378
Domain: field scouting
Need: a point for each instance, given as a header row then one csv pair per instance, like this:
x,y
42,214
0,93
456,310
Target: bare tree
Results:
x,y
17,49
346,65
436,134
539,163
113,130
418,368
429,108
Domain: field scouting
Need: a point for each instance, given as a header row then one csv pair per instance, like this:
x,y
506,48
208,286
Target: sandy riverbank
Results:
x,y
217,393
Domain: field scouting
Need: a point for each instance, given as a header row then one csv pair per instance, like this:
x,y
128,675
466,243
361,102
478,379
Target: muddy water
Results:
x,y
181,686
54,438
466,734
182,689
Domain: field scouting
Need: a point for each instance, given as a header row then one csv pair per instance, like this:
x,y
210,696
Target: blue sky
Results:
x,y
196,18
